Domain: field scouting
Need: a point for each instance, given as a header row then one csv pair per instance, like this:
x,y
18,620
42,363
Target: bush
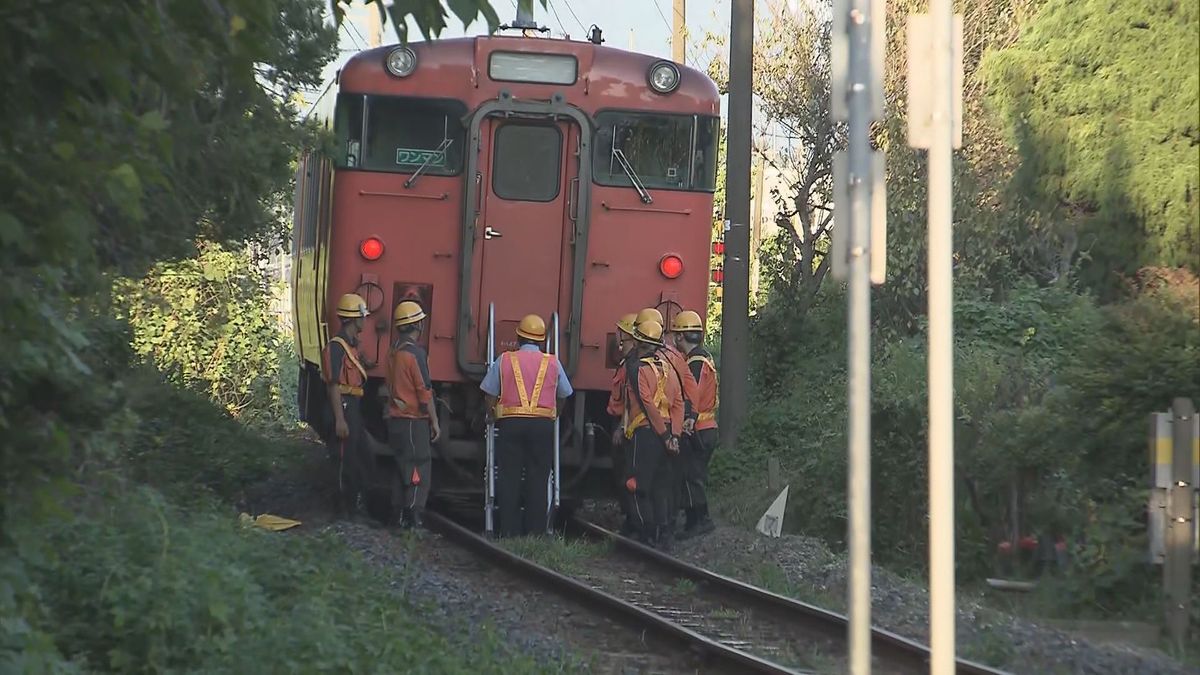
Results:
x,y
205,323
183,443
140,586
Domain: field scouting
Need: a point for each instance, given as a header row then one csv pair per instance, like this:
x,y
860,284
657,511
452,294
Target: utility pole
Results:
x,y
374,25
857,84
735,303
935,124
678,28
631,40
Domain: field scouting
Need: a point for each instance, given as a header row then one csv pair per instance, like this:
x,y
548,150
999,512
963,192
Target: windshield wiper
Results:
x,y
441,148
633,177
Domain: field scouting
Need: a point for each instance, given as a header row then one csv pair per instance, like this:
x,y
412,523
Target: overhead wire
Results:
x,y
572,11
550,4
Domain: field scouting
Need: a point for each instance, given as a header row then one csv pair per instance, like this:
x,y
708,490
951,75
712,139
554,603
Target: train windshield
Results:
x,y
403,135
674,152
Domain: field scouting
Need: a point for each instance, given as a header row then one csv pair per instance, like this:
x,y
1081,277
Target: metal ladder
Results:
x,y
554,485
489,502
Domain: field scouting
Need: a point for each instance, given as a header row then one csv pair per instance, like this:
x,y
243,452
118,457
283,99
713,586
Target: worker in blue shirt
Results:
x,y
524,391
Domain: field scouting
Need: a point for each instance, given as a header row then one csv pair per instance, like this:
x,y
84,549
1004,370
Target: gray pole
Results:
x,y
735,303
859,106
1177,567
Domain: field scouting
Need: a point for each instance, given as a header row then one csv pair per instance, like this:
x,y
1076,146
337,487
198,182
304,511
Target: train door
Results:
x,y
527,181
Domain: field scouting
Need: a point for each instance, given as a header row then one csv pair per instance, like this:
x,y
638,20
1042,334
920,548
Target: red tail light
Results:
x,y
671,266
371,248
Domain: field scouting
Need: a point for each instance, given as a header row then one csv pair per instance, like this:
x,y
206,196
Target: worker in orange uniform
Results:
x,y
672,491
412,420
654,409
344,373
524,389
687,331
616,408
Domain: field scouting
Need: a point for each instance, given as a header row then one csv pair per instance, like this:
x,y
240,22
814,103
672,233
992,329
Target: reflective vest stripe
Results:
x,y
350,355
660,401
528,407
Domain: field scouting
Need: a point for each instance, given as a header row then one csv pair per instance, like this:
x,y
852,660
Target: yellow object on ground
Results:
x,y
269,522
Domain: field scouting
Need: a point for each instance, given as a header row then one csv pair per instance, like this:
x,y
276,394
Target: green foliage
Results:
x,y
182,444
205,323
430,15
1099,98
143,126
141,586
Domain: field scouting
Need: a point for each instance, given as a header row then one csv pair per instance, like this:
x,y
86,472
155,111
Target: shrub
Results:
x,y
140,586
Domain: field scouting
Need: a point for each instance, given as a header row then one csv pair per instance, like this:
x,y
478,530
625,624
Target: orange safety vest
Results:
x,y
660,401
708,415
351,381
515,399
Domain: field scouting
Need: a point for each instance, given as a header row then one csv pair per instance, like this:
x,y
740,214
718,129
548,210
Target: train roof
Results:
x,y
458,68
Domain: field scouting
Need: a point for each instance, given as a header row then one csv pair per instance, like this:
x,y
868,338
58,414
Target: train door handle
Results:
x,y
489,233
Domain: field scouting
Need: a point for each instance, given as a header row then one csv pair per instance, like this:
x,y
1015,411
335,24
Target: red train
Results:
x,y
539,175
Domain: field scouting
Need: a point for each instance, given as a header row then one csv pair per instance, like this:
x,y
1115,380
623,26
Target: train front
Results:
x,y
531,175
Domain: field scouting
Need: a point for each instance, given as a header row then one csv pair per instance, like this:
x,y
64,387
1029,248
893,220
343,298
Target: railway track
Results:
x,y
793,633
717,623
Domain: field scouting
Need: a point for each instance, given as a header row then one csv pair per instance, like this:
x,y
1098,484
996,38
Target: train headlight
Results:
x,y
664,77
401,62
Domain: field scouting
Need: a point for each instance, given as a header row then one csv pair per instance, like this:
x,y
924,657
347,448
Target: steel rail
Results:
x,y
718,655
891,646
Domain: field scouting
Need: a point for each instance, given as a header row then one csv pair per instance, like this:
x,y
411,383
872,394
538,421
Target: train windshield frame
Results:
x,y
665,151
400,134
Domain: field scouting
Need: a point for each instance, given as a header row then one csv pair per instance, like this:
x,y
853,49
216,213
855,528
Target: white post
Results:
x,y
941,343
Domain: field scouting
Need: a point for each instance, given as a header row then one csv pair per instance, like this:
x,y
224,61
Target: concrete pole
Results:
x,y
941,344
735,305
860,175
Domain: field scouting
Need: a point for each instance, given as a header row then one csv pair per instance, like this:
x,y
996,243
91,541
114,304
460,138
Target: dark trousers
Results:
x,y
668,487
697,454
351,456
409,440
524,445
644,455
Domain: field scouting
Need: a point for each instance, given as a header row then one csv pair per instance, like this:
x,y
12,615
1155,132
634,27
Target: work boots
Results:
x,y
698,523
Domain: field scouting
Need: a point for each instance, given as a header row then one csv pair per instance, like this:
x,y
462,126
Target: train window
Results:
x,y
401,135
527,162
704,159
674,152
347,125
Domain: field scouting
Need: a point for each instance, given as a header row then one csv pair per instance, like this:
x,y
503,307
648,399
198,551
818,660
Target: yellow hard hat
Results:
x,y
649,314
532,328
686,321
649,332
625,323
406,313
352,306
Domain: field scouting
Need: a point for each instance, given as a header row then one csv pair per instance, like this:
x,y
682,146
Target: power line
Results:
x,y
556,17
572,11
361,39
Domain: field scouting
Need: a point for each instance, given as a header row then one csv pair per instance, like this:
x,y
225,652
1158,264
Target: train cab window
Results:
x,y
674,152
398,134
527,162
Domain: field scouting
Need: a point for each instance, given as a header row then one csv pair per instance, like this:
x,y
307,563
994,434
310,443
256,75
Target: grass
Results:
x,y
684,586
565,556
